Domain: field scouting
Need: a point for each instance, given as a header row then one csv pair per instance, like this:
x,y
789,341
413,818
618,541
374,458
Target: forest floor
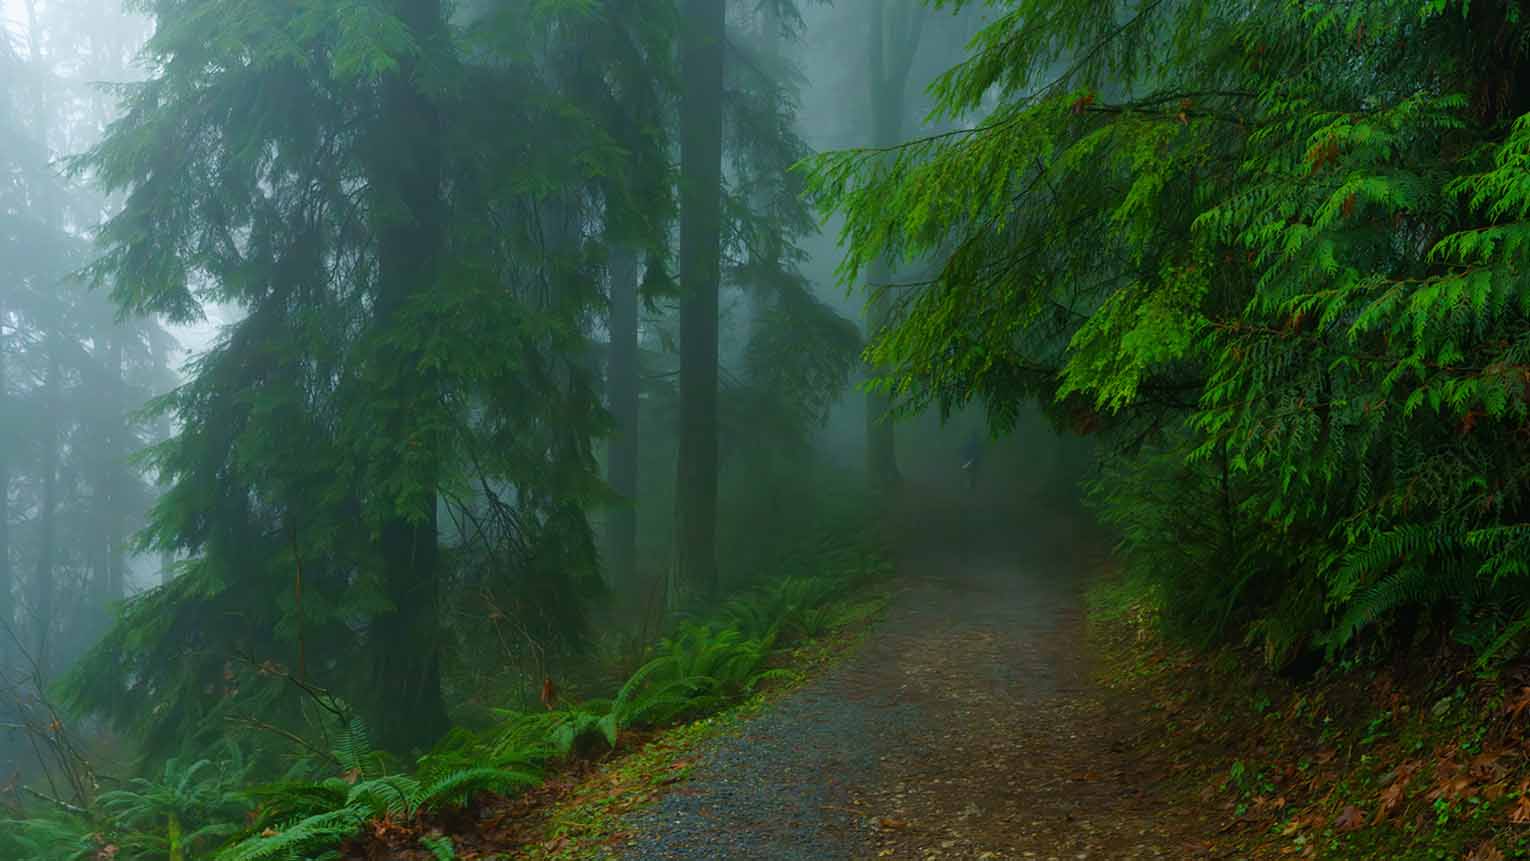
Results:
x,y
967,724
1015,703
966,727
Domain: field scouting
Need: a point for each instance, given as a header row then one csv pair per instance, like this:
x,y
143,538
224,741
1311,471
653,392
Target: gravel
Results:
x,y
823,774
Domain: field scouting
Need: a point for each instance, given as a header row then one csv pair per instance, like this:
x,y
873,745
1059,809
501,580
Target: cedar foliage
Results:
x,y
1275,252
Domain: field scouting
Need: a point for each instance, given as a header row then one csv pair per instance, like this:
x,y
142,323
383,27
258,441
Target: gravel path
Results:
x,y
965,728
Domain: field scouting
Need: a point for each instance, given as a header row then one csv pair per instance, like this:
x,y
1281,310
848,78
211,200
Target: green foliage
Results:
x,y
55,836
181,815
1274,253
697,670
299,818
411,368
440,846
789,609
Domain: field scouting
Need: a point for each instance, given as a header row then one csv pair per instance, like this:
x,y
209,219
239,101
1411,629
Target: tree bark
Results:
x,y
118,480
622,392
8,629
894,41
701,62
42,576
409,712
106,586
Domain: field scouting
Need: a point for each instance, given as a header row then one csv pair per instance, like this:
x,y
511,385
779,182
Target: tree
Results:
x,y
403,169
403,415
702,46
7,444
622,394
11,143
41,605
893,30
636,98
1272,254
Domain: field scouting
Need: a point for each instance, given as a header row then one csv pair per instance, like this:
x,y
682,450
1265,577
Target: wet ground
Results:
x,y
966,727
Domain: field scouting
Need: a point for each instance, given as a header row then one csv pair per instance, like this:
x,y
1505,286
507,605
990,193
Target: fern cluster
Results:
x,y
699,669
183,813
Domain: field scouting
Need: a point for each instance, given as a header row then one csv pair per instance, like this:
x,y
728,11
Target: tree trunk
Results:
x,y
894,40
622,391
408,711
106,586
701,63
42,577
8,629
116,549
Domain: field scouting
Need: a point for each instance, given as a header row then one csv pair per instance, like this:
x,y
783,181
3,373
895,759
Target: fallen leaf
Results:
x,y
1520,813
1350,819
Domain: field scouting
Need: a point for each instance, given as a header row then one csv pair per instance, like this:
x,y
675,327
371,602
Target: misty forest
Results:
x,y
764,429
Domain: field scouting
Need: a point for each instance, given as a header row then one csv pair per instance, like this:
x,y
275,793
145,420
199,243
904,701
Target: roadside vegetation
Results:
x,y
1429,760
355,800
1271,257
522,424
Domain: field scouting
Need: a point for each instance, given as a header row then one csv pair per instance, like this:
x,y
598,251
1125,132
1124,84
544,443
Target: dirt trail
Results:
x,y
967,727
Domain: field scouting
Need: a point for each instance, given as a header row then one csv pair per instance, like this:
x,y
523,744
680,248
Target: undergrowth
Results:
x,y
354,799
1360,762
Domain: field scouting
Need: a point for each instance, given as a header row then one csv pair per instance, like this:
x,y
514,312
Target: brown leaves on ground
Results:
x,y
1351,818
1393,795
1343,768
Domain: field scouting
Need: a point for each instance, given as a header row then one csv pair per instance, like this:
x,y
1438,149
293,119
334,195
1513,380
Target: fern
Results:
x,y
441,847
65,838
301,838
454,789
187,810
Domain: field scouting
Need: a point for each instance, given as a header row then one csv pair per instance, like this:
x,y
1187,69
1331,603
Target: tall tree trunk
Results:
x,y
8,629
106,587
42,576
701,63
894,40
116,563
759,299
622,392
408,711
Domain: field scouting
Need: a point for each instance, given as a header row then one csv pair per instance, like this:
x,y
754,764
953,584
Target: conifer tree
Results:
x,y
637,107
412,353
7,444
893,33
11,144
702,47
1292,230
622,394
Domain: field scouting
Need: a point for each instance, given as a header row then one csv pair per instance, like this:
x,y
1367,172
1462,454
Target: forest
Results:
x,y
731,429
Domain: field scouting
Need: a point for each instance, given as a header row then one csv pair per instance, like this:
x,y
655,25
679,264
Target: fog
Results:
x,y
353,349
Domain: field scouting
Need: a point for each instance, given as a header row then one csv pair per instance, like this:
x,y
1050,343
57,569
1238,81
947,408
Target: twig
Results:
x,y
254,723
59,802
